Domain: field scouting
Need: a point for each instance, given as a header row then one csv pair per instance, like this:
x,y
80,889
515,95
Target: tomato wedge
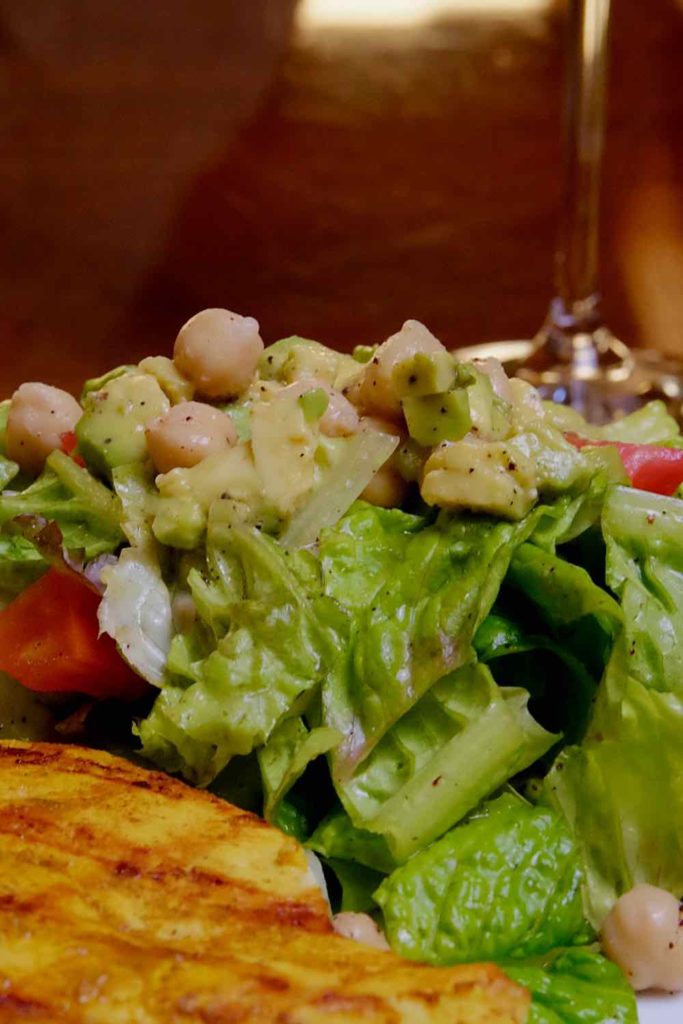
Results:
x,y
649,467
49,642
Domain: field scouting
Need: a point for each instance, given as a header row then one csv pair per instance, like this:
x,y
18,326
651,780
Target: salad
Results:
x,y
416,617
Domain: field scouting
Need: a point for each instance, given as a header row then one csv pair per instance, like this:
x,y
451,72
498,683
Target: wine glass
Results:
x,y
575,359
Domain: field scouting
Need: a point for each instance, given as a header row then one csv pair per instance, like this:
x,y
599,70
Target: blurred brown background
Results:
x,y
329,178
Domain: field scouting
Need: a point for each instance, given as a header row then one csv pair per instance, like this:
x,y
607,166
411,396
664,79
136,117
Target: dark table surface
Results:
x,y
331,181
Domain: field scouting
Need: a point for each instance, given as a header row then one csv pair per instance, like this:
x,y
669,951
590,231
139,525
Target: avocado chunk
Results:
x,y
491,416
364,353
111,431
179,523
427,373
559,466
176,387
284,444
485,476
97,383
230,474
314,404
435,418
295,358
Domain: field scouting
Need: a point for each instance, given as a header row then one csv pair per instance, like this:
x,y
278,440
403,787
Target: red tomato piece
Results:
x,y
49,641
650,467
69,443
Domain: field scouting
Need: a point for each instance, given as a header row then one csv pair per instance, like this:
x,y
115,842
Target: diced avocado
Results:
x,y
97,383
435,418
240,414
559,466
364,353
176,387
486,476
179,523
111,431
426,373
314,403
409,459
491,417
294,358
230,474
606,459
284,445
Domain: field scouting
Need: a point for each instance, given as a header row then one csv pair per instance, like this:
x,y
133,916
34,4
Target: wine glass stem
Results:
x,y
577,301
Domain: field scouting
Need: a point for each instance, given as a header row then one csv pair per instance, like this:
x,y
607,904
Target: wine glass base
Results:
x,y
600,393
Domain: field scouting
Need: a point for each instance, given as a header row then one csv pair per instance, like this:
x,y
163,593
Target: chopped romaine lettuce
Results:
x,y
86,511
20,565
357,884
576,986
336,837
416,592
456,746
271,646
8,471
134,487
561,686
506,883
289,750
622,790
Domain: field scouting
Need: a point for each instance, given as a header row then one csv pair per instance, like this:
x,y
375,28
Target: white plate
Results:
x,y
661,1009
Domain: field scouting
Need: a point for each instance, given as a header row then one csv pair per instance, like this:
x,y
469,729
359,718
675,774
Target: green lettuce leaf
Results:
x,y
134,487
267,644
416,592
644,537
561,686
336,837
622,789
576,986
456,746
552,632
290,748
506,883
8,471
357,885
20,565
86,511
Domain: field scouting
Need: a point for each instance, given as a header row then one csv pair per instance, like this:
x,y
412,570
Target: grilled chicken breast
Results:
x,y
127,897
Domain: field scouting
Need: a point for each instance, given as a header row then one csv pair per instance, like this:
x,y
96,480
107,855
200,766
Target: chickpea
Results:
x,y
187,433
375,391
340,418
387,488
360,928
643,935
38,417
218,351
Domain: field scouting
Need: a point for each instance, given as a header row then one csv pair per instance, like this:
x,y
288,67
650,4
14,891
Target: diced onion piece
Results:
x,y
366,452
